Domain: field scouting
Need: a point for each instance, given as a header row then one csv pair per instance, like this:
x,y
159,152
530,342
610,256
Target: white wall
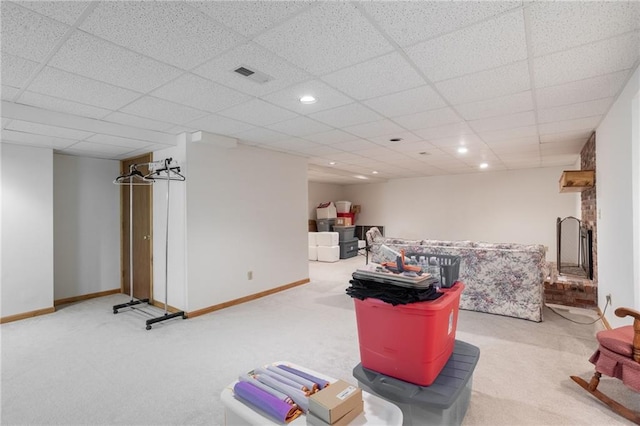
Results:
x,y
616,190
246,211
518,206
86,226
322,192
27,229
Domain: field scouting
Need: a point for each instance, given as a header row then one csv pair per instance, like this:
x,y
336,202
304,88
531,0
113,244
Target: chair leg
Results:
x,y
595,381
620,409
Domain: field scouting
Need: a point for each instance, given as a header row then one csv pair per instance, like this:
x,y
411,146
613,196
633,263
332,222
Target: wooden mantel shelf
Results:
x,y
577,180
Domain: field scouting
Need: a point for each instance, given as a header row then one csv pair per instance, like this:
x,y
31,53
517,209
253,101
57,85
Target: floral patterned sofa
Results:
x,y
504,279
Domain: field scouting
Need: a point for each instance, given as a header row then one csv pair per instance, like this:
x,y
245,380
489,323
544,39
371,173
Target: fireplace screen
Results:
x,y
574,248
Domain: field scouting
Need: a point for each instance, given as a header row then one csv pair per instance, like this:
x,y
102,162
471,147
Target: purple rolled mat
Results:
x,y
321,383
256,397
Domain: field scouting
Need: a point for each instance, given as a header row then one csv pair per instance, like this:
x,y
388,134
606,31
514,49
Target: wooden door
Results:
x,y
142,233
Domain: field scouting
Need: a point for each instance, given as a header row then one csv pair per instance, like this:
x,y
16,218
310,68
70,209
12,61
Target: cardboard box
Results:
x,y
332,403
342,421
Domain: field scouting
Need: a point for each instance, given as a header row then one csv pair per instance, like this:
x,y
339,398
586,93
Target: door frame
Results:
x,y
124,239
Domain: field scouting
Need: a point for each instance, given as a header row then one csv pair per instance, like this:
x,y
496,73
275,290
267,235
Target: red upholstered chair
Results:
x,y
618,356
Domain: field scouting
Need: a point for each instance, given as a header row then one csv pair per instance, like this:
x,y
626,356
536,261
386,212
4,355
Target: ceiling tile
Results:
x,y
98,148
560,25
326,97
220,125
15,70
591,60
43,129
170,32
559,160
411,147
449,130
260,135
385,140
603,86
407,102
578,110
35,140
346,115
61,84
568,147
376,77
586,123
197,92
514,145
95,58
490,44
258,112
511,121
61,105
131,144
256,58
380,153
566,136
375,128
64,11
331,137
517,133
517,102
323,150
433,118
295,144
28,34
135,121
8,92
161,110
512,78
250,17
330,36
299,126
420,20
469,140
355,145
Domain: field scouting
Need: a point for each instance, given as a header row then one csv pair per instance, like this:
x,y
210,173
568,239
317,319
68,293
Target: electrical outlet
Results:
x,y
608,297
250,275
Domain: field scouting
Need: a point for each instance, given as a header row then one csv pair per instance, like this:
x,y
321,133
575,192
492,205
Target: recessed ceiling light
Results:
x,y
375,172
395,139
332,163
360,177
483,165
308,99
462,150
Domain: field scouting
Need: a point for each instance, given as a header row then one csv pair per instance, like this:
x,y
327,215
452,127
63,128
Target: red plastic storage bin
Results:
x,y
410,342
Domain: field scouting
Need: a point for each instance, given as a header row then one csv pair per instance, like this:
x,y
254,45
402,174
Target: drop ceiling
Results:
x,y
520,84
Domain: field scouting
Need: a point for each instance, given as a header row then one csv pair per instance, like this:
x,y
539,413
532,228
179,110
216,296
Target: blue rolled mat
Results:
x,y
321,383
269,404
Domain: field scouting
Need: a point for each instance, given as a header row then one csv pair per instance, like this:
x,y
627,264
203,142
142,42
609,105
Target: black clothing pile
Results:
x,y
395,295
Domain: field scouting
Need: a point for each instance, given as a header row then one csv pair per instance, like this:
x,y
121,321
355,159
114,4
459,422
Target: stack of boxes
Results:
x,y
324,246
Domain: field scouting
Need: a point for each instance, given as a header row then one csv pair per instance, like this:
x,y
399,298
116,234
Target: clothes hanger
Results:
x,y
172,173
134,177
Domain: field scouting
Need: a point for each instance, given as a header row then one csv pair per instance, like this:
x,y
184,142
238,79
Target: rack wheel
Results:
x,y
148,327
115,311
184,317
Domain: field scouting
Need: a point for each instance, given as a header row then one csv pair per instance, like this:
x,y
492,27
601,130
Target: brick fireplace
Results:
x,y
573,290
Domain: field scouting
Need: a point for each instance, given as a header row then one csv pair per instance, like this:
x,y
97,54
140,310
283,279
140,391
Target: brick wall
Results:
x,y
589,205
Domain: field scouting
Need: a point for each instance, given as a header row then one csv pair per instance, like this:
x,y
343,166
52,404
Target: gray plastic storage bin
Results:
x,y
345,233
445,402
348,248
325,225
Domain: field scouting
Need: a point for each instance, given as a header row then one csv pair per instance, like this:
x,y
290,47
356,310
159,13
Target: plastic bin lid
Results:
x,y
442,393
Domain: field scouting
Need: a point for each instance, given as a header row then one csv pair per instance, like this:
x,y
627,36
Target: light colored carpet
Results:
x,y
85,365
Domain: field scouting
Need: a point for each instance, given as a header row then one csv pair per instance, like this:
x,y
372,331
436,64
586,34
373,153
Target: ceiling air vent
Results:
x,y
244,71
257,76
